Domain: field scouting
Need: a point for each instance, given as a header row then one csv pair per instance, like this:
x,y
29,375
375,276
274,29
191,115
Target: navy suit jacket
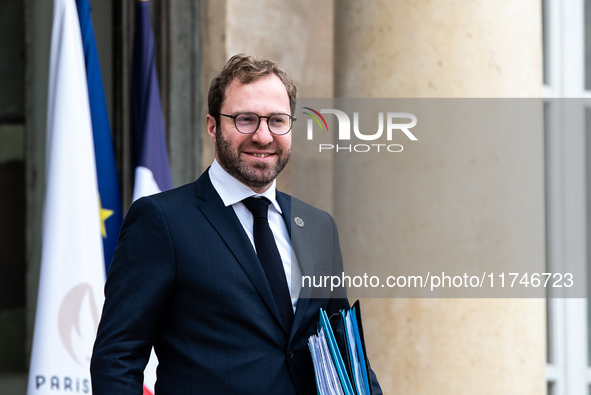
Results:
x,y
186,280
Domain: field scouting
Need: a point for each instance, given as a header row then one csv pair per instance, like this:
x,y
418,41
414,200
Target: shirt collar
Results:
x,y
233,191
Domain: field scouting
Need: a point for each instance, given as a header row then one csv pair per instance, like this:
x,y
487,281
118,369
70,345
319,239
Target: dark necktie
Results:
x,y
269,257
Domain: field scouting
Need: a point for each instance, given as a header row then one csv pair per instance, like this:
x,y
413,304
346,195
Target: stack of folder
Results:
x,y
339,356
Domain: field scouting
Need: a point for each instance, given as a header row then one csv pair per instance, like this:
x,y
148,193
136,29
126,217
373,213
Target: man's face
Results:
x,y
254,159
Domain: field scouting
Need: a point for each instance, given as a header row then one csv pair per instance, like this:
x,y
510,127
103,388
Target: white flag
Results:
x,y
72,271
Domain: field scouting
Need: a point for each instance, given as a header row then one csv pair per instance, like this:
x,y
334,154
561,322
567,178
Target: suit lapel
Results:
x,y
228,226
301,248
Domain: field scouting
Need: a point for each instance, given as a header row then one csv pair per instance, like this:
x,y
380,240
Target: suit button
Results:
x,y
290,353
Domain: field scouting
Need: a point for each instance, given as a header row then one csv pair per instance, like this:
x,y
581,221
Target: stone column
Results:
x,y
451,49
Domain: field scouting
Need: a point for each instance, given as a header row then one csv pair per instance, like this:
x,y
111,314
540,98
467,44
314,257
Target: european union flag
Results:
x,y
108,182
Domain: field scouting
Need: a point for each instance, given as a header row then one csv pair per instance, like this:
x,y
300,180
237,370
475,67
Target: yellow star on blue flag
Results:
x,y
105,214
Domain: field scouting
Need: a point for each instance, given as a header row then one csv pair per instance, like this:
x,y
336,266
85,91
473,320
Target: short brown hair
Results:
x,y
247,69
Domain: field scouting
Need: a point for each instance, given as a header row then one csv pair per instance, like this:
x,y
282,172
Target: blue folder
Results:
x,y
343,334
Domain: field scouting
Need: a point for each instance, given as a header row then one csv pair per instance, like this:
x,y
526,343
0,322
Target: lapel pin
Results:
x,y
299,222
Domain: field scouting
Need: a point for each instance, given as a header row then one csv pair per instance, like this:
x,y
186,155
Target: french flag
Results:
x,y
149,157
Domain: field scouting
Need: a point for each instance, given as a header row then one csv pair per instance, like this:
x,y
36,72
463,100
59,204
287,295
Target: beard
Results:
x,y
256,175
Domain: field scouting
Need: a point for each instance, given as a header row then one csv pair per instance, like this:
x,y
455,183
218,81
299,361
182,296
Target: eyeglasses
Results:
x,y
249,122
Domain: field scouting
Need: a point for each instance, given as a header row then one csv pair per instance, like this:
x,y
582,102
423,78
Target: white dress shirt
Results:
x,y
232,193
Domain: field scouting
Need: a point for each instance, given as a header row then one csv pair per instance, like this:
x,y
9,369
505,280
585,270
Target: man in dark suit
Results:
x,y
225,313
